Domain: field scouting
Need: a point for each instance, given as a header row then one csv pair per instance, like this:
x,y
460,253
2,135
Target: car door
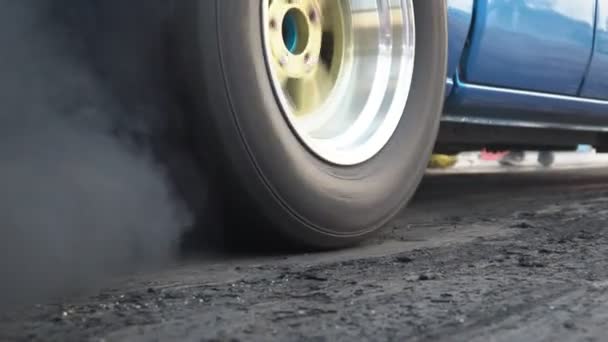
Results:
x,y
537,45
596,83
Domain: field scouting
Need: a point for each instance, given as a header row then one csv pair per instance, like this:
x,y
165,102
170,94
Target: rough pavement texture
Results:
x,y
475,258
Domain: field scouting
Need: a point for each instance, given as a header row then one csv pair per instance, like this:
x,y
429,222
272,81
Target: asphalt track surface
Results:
x,y
493,257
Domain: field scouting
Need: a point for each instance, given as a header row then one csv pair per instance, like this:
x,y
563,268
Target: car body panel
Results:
x,y
596,82
525,108
527,62
540,45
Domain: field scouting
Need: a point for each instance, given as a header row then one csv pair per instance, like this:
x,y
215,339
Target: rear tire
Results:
x,y
263,167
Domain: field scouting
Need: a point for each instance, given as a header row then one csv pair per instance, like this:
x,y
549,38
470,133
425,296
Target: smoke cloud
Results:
x,y
87,129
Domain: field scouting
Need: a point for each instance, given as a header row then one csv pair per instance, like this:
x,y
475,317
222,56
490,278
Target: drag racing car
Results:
x,y
322,114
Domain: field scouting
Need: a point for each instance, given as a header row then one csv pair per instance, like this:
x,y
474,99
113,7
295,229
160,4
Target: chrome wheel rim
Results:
x,y
341,71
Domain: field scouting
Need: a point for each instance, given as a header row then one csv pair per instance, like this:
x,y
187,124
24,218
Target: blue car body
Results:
x,y
528,63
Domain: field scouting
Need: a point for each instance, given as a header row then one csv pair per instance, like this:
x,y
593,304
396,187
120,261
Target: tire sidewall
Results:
x,y
317,202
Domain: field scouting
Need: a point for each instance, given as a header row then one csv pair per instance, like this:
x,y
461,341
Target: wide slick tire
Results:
x,y
262,166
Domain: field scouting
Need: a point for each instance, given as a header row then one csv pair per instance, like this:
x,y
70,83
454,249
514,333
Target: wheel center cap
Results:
x,y
295,31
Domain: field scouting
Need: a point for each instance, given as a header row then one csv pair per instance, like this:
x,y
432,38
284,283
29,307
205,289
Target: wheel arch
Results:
x,y
461,14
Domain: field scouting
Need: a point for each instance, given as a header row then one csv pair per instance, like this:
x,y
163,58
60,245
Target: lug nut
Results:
x,y
283,60
313,15
310,62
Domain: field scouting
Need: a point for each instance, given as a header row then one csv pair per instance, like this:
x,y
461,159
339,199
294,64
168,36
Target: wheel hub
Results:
x,y
295,33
